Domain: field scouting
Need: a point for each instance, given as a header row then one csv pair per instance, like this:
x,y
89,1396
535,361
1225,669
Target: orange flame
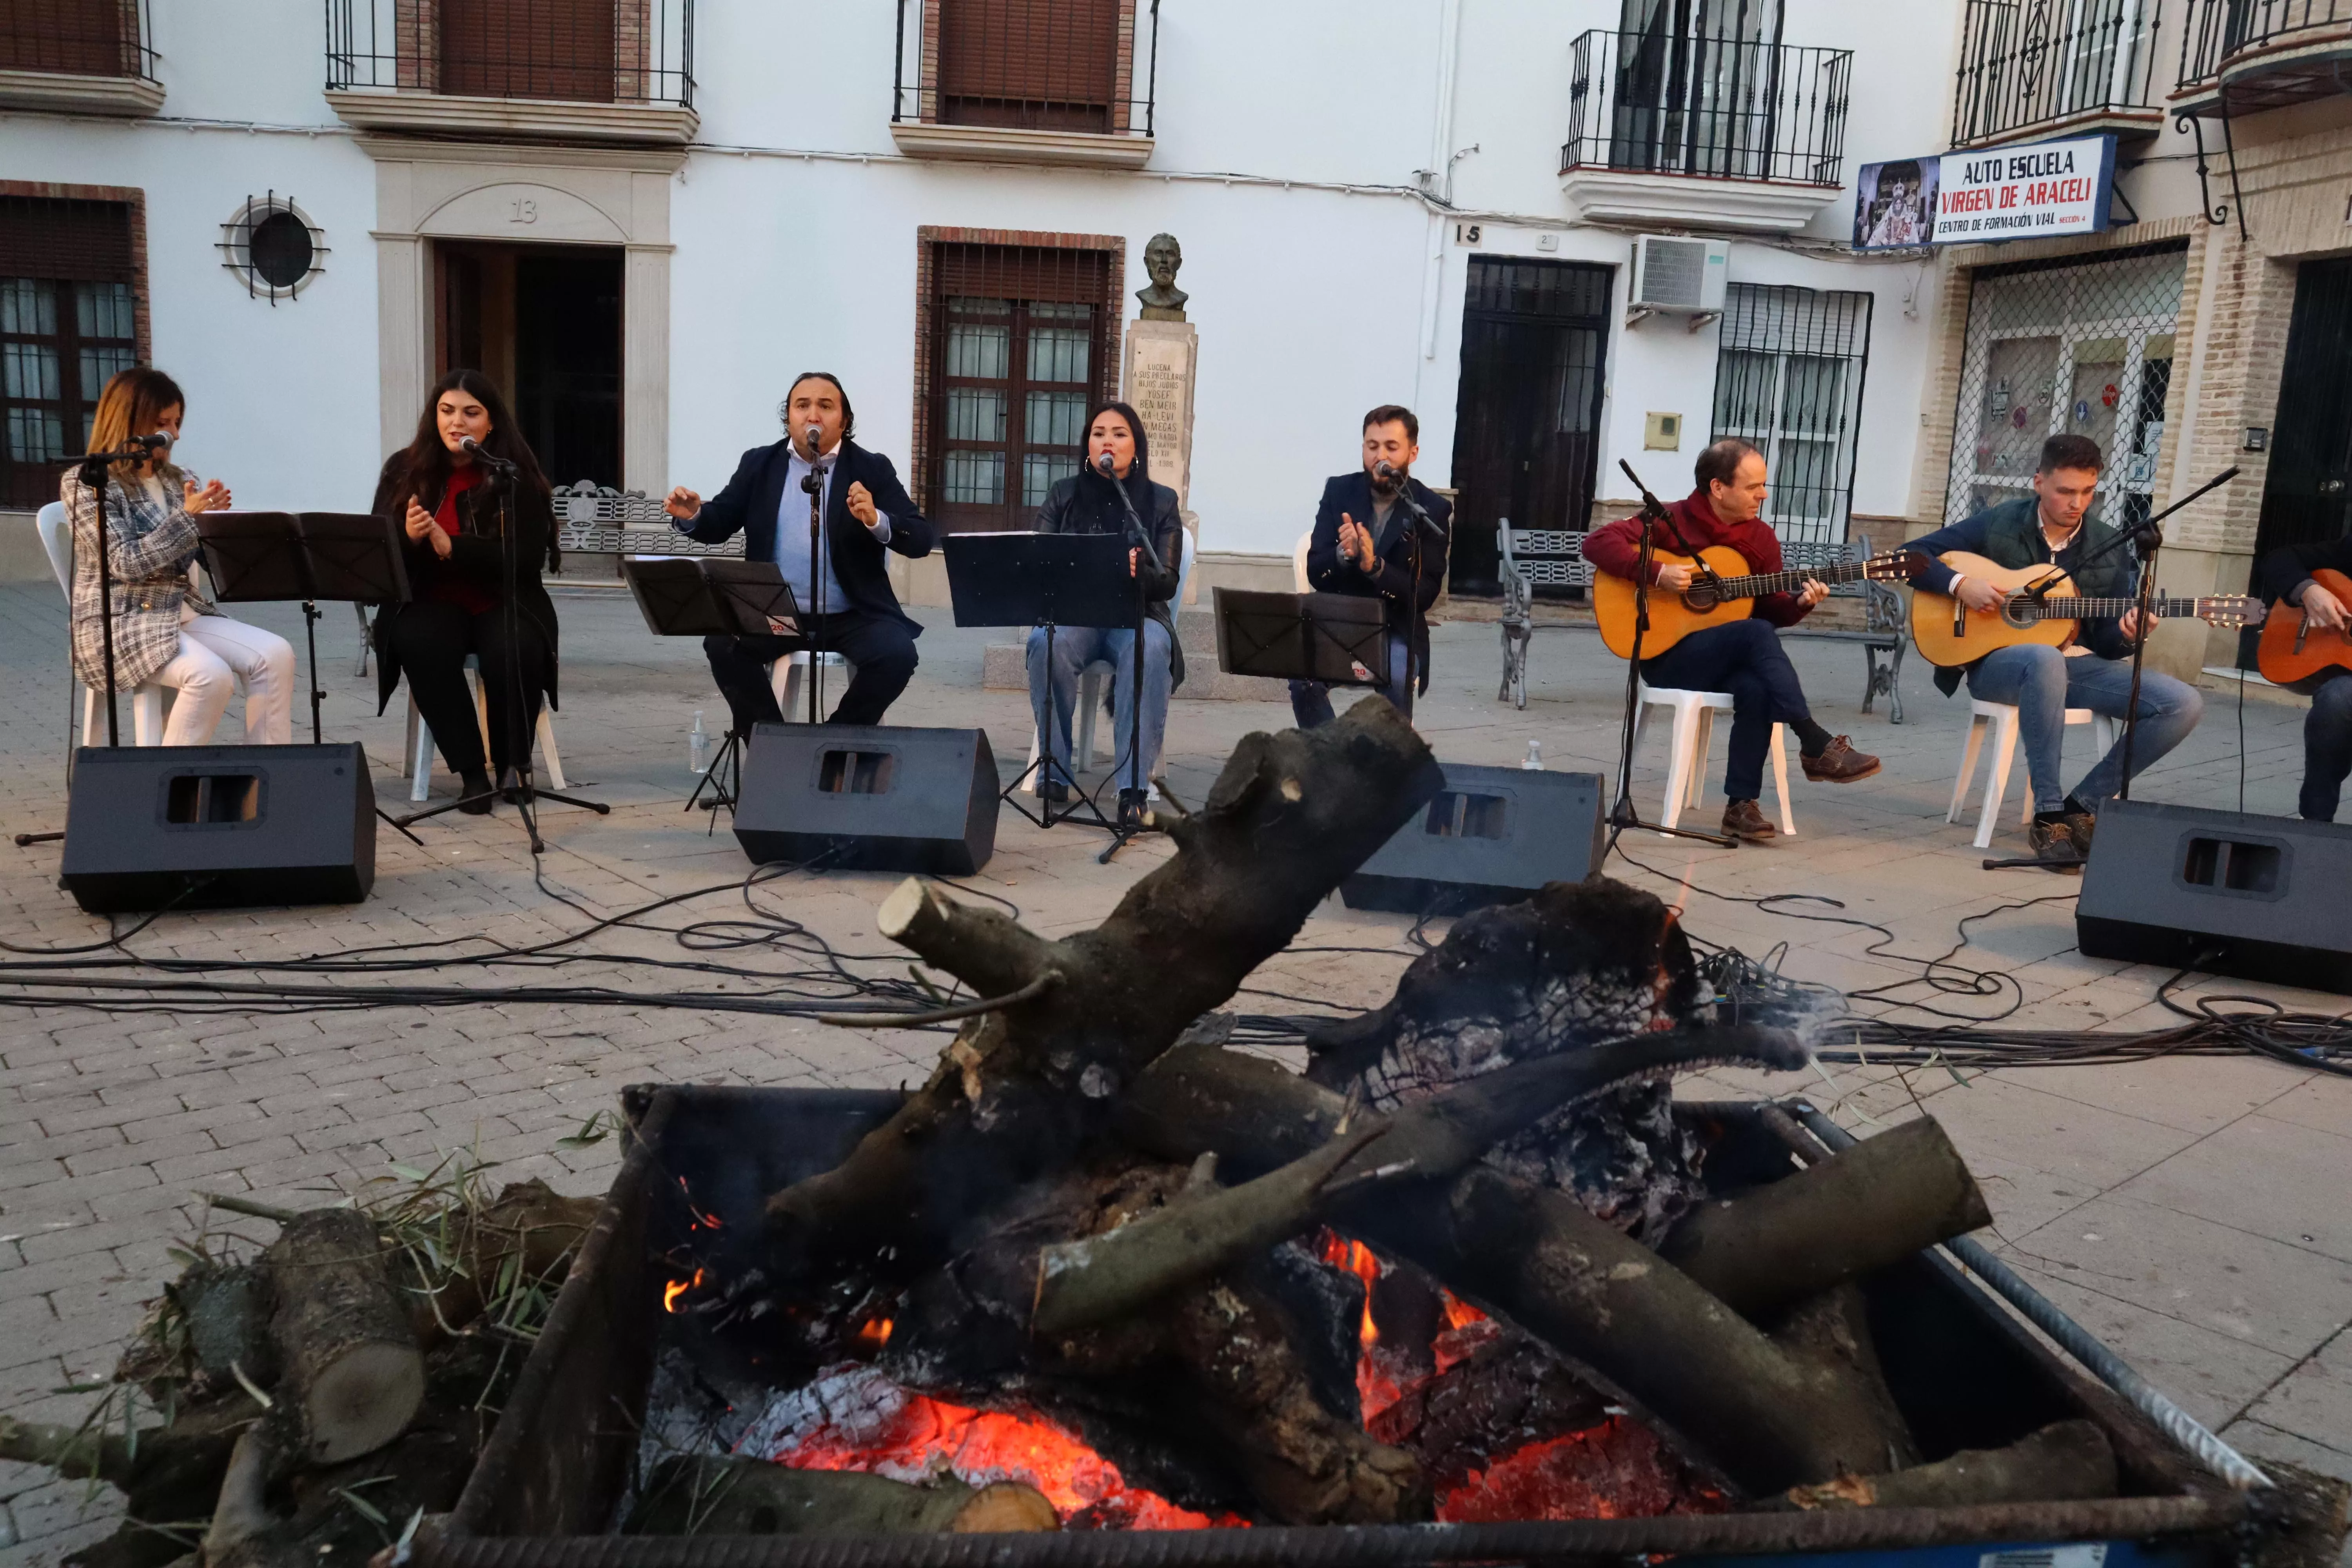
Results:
x,y
875,1332
675,1288
1376,1390
922,1436
1459,1313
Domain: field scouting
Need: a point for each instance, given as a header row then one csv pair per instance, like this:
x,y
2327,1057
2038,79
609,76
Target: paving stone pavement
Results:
x,y
2189,1212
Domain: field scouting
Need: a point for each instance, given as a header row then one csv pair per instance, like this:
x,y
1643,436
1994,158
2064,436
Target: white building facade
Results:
x,y
644,216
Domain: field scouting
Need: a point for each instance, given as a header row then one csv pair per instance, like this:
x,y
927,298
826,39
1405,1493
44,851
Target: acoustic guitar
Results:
x,y
2292,650
2038,604
1729,594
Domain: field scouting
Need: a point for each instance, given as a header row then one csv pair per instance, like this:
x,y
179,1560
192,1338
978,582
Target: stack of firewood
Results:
x,y
320,1395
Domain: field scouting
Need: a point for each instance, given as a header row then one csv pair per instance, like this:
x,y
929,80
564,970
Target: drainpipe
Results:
x,y
1437,180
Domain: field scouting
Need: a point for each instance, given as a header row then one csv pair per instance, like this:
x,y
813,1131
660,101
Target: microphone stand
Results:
x,y
1622,814
498,477
1140,538
1422,522
814,483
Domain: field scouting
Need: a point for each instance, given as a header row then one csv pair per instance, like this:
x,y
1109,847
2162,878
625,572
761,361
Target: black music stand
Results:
x,y
271,556
258,557
1048,580
1338,639
687,595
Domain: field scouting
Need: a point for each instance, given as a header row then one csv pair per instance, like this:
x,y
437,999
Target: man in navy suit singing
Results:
x,y
1365,545
842,586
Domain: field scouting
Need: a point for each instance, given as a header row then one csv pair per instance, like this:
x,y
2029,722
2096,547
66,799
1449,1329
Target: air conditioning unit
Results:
x,y
1678,277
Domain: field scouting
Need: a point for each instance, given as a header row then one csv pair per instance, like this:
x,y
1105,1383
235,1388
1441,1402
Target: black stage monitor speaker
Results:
x,y
869,797
216,826
1492,836
2263,898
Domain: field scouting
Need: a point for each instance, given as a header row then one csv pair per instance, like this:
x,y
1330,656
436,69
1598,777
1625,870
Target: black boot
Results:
x,y
474,794
1134,807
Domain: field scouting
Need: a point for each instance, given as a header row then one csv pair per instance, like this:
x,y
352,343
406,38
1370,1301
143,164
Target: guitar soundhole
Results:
x,y
2017,610
1701,596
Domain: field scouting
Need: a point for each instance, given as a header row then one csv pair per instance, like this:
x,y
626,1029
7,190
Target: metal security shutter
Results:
x,y
1041,65
1025,346
528,49
68,322
2067,347
1788,381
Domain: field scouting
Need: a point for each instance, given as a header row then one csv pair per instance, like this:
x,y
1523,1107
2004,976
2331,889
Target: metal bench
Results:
x,y
1550,558
595,518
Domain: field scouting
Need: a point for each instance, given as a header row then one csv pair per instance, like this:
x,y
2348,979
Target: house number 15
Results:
x,y
522,209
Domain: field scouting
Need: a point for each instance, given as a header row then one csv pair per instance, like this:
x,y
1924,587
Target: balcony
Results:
x,y
79,57
1747,135
1025,81
549,70
2238,57
2034,68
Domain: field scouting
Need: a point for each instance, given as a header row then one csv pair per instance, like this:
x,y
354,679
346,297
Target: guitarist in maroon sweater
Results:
x,y
1744,656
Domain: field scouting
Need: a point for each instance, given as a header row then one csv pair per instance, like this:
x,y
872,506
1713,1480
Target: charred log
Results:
x,y
1767,1420
711,1496
2065,1462
1831,1332
1847,1215
1022,1087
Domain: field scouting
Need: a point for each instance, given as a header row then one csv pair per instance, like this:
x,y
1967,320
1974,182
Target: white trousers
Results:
x,y
214,654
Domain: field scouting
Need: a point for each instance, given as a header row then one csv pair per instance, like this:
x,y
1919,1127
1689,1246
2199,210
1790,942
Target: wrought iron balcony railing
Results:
x,y
78,38
2028,65
2289,40
580,51
1712,107
1041,65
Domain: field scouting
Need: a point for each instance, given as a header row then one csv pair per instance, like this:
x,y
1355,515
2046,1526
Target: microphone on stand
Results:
x,y
1106,468
1389,473
484,455
161,441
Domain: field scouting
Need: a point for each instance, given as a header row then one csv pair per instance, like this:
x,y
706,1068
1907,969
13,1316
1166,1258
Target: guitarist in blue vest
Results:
x,y
2052,527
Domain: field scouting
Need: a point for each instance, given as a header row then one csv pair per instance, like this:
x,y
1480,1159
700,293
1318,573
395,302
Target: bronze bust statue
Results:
x,y
1163,302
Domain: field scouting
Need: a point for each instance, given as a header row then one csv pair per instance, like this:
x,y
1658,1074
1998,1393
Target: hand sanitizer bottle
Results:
x,y
697,746
1534,764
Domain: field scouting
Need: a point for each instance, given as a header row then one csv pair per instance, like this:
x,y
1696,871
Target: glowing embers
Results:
x,y
1618,1469
855,1419
673,1294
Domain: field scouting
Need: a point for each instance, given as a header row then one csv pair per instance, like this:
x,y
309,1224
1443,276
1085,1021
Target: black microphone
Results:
x,y
815,435
484,455
1106,468
160,441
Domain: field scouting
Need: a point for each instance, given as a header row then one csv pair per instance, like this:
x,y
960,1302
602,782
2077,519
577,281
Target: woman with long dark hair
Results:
x,y
164,631
1089,502
470,594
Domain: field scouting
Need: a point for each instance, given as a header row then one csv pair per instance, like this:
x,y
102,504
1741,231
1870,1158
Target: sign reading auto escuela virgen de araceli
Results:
x,y
2038,191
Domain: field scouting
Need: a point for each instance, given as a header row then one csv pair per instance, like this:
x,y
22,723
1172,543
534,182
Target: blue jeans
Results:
x,y
1074,648
1310,700
2326,748
2043,683
1744,658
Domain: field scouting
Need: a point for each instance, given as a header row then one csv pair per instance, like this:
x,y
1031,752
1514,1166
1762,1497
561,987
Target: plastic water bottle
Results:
x,y
697,746
1534,764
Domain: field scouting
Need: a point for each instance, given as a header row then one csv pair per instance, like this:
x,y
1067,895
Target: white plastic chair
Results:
x,y
420,738
1693,737
785,675
1090,690
2002,717
146,701
1298,564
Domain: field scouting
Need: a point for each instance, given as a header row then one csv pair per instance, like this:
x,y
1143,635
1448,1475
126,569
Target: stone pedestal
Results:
x,y
1156,382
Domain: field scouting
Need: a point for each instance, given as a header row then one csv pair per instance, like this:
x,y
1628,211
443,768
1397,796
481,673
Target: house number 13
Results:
x,y
523,210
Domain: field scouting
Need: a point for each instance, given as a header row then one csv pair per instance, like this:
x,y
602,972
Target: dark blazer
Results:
x,y
750,500
1085,503
474,555
1407,603
2285,570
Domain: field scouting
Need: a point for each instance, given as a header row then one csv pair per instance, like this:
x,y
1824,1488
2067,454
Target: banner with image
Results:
x,y
2035,191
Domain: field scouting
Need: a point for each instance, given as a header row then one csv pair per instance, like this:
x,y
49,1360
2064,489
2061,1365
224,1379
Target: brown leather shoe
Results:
x,y
2055,846
2080,826
1839,764
1742,821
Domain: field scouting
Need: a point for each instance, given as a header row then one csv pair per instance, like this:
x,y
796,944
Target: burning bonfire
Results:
x,y
1105,1271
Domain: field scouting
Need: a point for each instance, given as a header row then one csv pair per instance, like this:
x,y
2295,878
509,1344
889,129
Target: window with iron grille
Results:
x,y
579,51
2067,347
1788,381
1022,349
67,323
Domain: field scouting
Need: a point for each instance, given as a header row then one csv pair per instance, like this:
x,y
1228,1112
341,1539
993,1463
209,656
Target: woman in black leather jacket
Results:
x,y
1088,502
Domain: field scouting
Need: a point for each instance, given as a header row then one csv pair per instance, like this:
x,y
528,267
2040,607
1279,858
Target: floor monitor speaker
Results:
x,y
869,797
1492,836
2262,898
219,826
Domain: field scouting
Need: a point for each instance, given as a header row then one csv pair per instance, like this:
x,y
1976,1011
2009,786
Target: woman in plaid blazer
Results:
x,y
164,632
